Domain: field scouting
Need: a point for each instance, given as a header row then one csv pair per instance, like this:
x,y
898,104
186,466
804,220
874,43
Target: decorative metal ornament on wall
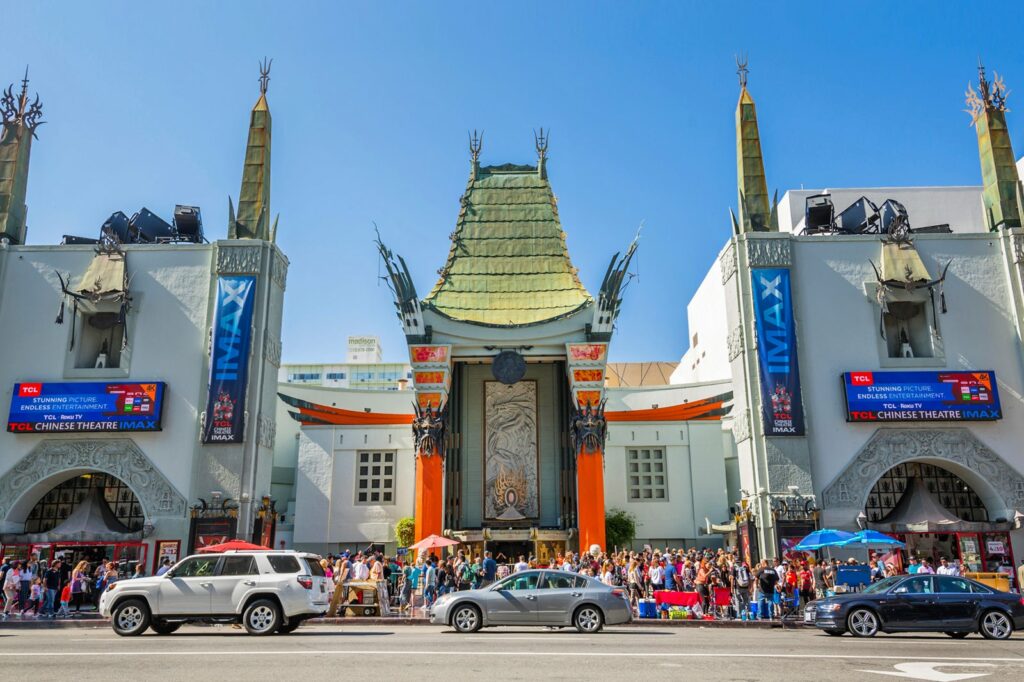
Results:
x,y
508,367
428,429
588,428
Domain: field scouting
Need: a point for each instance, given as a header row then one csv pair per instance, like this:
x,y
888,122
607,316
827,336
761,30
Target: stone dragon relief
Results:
x,y
238,260
279,269
889,447
272,351
741,426
118,457
510,451
734,342
728,263
766,253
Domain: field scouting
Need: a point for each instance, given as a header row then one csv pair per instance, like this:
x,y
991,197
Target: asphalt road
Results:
x,y
381,652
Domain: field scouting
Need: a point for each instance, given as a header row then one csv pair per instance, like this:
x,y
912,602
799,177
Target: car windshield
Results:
x,y
882,585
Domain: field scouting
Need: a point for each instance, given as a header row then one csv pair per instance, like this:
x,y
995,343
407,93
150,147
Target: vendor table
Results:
x,y
676,598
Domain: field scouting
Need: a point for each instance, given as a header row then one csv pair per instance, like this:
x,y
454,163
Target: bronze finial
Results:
x,y
476,143
265,75
742,70
540,141
17,109
988,96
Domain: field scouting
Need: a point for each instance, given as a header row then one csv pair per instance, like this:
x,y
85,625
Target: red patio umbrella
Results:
x,y
433,542
237,545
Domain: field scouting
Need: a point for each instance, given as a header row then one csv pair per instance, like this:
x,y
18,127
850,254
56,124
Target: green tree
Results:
x,y
405,531
619,528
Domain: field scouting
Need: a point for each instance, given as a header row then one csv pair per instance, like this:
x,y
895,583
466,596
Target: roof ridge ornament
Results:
x,y
742,70
476,143
540,142
265,75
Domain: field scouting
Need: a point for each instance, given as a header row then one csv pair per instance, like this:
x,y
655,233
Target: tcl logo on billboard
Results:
x,y
29,390
862,378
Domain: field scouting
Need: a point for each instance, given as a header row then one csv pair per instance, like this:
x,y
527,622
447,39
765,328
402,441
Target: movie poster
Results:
x,y
229,359
782,410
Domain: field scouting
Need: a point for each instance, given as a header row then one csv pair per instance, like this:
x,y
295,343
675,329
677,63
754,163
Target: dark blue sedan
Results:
x,y
920,603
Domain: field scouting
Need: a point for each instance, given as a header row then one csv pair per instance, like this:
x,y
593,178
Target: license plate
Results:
x,y
808,616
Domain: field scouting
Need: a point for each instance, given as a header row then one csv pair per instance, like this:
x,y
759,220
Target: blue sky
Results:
x,y
147,105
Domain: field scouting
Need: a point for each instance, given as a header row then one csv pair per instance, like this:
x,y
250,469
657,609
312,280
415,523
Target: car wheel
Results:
x,y
996,625
957,635
863,623
262,617
835,633
466,618
588,619
130,617
289,627
162,627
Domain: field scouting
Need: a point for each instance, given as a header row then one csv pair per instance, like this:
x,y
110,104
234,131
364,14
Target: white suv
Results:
x,y
268,592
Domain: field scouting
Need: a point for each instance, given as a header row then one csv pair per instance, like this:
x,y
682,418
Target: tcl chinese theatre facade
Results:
x,y
510,416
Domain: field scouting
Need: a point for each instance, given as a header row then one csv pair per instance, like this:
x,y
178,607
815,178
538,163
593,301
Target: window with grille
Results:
x,y
948,489
375,478
646,479
58,504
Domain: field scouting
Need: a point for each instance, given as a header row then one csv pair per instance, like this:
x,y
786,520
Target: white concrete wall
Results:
x,y
695,467
326,513
167,329
837,327
708,360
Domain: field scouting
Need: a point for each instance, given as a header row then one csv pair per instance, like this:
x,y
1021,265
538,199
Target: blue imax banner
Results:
x,y
229,359
38,407
782,410
921,396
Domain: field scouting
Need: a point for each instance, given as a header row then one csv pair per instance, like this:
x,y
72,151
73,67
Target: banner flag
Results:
x,y
782,409
229,359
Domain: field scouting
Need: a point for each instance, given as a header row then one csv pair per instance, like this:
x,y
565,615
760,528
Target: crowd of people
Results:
x,y
37,588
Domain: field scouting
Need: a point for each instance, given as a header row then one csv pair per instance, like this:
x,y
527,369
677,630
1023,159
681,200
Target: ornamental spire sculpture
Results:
x,y
253,219
755,215
19,118
1001,192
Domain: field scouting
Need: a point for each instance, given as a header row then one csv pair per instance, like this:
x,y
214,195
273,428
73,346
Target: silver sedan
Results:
x,y
545,597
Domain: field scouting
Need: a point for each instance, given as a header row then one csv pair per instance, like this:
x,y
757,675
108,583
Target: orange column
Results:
x,y
429,508
590,498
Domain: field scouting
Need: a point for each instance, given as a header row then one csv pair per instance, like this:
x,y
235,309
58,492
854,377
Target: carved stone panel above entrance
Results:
x,y
119,457
955,446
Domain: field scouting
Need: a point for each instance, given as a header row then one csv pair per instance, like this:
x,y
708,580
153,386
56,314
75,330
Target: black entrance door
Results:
x,y
509,552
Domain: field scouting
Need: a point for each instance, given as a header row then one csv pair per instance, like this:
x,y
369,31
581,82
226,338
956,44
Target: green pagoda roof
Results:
x,y
508,265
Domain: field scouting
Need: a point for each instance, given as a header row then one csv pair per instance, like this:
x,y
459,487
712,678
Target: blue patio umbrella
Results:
x,y
826,537
872,537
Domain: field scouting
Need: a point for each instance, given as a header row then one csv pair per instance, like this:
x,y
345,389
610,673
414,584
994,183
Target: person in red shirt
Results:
x,y
805,579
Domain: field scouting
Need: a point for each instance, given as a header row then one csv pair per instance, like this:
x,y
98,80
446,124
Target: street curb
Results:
x,y
96,622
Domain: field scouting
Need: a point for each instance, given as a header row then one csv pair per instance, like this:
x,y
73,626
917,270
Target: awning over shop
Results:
x,y
91,521
919,512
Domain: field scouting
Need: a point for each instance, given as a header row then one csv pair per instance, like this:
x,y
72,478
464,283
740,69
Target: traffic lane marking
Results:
x,y
1019,660
926,670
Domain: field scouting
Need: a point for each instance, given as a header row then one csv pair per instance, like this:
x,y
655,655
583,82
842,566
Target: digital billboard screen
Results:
x,y
921,396
38,407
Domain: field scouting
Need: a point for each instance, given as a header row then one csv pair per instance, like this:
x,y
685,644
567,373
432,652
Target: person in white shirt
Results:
x,y
521,565
656,576
360,571
945,568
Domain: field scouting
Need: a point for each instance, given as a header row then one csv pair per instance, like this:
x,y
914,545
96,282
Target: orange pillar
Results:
x,y
590,498
429,510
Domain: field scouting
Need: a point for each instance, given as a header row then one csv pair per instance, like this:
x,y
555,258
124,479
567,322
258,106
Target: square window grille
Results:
x,y
647,487
375,484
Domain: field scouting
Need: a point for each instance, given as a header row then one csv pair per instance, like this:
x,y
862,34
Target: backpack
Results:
x,y
743,576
